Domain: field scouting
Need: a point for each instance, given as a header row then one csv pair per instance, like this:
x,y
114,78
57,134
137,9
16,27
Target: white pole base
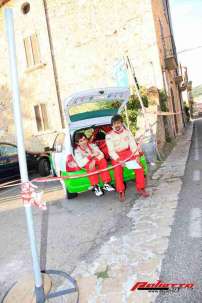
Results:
x,y
24,290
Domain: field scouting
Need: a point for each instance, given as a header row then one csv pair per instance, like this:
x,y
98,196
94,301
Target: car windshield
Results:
x,y
94,109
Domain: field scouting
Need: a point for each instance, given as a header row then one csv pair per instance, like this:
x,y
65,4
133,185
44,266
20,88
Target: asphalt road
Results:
x,y
67,233
183,261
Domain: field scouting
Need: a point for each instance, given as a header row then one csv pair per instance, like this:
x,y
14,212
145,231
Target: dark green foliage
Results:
x,y
133,109
163,101
164,108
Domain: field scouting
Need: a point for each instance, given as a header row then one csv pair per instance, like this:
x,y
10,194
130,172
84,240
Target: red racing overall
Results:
x,y
118,172
84,158
99,164
121,146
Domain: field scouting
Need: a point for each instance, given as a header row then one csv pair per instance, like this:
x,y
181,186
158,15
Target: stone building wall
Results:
x,y
96,37
89,39
93,36
161,19
37,84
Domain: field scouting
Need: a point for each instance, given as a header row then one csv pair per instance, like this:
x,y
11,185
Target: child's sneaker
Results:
x,y
97,190
108,187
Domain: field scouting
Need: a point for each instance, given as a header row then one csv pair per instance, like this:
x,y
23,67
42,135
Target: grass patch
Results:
x,y
103,274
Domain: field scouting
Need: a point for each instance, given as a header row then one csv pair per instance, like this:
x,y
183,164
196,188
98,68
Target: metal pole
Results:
x,y
127,118
148,126
40,298
55,72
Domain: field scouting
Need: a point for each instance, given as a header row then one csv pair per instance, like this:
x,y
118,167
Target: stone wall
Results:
x,y
37,85
169,76
91,37
89,40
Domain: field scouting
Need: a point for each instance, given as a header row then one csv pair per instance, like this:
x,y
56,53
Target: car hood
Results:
x,y
95,104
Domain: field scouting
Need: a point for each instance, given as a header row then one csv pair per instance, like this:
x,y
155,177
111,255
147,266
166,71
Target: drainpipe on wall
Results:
x,y
54,65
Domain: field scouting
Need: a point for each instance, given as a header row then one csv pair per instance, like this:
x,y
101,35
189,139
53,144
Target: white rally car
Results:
x,y
89,112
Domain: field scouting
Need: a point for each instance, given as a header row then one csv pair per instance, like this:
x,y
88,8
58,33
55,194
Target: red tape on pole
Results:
x,y
31,197
50,179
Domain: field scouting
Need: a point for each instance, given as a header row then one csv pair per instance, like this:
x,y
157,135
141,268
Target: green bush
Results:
x,y
163,99
133,108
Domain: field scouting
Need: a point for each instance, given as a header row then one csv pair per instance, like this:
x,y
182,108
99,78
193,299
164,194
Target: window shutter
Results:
x,y
35,49
44,116
28,51
38,118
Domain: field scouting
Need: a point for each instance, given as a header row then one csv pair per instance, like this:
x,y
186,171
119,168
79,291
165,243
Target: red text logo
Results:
x,y
160,286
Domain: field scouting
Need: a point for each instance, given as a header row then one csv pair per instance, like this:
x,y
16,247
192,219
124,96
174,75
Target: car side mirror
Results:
x,y
58,148
47,149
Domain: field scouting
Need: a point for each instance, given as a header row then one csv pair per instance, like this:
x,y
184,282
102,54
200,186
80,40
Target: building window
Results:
x,y
25,8
41,117
32,51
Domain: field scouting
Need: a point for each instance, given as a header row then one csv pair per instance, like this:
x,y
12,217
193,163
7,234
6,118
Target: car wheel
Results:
x,y
71,195
44,167
68,194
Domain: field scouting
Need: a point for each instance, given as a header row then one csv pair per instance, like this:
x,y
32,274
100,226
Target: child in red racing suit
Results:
x,y
90,157
121,146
